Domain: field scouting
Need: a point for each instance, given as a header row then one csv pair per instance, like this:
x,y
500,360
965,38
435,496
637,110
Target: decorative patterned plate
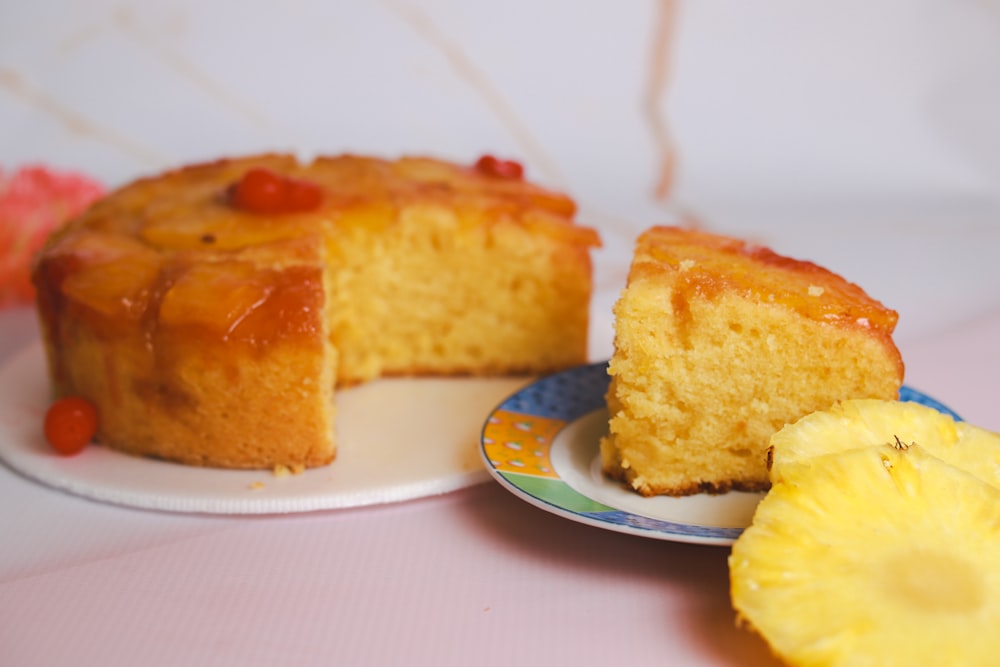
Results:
x,y
542,444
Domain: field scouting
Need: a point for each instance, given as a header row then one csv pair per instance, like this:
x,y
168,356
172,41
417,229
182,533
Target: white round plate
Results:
x,y
542,444
399,439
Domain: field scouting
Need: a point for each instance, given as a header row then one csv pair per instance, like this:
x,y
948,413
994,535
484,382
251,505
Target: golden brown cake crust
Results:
x,y
706,264
211,335
718,344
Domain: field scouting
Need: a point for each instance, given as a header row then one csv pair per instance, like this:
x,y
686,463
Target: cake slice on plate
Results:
x,y
720,343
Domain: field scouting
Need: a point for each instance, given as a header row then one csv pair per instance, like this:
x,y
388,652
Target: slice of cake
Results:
x,y
718,345
209,312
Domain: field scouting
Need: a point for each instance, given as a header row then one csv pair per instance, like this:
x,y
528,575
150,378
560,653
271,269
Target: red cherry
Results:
x,y
70,424
260,191
492,166
263,191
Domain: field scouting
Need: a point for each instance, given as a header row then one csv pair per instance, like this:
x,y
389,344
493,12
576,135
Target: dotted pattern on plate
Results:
x,y
564,396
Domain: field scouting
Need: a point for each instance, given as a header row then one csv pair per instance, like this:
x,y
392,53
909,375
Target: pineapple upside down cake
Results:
x,y
209,312
719,344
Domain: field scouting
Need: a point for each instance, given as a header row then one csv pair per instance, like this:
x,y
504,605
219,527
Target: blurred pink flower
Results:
x,y
34,201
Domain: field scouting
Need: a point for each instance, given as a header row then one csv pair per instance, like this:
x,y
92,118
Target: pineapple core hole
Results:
x,y
935,581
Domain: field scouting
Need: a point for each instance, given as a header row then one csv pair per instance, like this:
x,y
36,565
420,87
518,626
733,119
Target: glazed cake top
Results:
x,y
176,210
702,264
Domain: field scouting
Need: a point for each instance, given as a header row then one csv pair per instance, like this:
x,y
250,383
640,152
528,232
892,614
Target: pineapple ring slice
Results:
x,y
876,556
871,422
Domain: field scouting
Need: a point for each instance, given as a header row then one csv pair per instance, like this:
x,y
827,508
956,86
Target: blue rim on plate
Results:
x,y
542,443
